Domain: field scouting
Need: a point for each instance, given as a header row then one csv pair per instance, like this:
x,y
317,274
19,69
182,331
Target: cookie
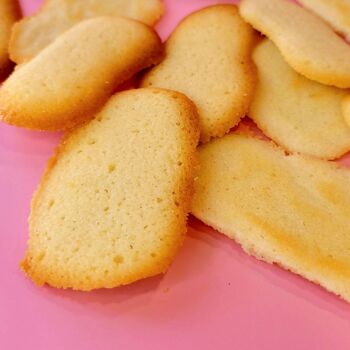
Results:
x,y
208,58
75,75
291,210
111,207
33,33
9,14
299,114
335,12
306,42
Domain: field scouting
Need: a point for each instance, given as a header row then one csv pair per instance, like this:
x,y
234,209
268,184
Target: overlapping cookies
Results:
x,y
299,114
34,33
74,76
335,12
112,205
306,42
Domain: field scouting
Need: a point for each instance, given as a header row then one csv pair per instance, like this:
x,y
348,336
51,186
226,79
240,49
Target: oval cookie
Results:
x,y
208,58
34,33
112,206
74,76
291,210
299,114
306,42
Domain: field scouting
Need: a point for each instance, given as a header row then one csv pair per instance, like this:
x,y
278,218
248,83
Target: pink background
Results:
x,y
214,295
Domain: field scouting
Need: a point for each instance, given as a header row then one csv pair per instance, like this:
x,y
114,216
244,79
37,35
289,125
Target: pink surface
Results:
x,y
214,295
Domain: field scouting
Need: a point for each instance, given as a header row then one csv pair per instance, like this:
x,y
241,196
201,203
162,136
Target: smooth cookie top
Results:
x,y
75,75
34,33
208,58
306,42
291,210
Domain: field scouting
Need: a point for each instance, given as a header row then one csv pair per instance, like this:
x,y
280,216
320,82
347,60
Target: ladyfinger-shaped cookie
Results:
x,y
287,209
75,75
34,33
307,43
208,58
112,206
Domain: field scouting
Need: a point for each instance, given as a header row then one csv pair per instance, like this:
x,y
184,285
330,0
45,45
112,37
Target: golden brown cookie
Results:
x,y
33,33
208,58
291,210
112,205
75,75
306,42
299,114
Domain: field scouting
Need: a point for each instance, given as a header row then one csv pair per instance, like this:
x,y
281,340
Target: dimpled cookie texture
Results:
x,y
291,210
74,76
299,114
208,58
34,33
307,43
112,206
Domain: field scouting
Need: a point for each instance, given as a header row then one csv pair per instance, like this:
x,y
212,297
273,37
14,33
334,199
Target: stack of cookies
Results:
x,y
113,203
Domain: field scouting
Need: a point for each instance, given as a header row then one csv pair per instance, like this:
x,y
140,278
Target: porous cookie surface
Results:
x,y
74,76
299,114
112,205
208,58
9,13
33,33
335,12
291,210
307,43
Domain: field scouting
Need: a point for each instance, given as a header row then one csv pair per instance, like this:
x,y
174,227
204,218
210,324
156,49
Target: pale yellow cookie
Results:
x,y
112,205
33,33
306,42
291,210
9,14
335,12
299,114
208,58
75,75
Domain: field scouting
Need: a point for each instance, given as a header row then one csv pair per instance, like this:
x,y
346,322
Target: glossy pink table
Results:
x,y
213,297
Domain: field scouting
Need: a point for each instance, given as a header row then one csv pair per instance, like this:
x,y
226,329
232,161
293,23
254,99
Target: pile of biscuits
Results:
x,y
112,205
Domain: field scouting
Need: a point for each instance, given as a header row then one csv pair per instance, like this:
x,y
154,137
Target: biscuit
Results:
x,y
112,205
33,33
75,75
306,42
9,14
335,12
208,58
292,210
299,114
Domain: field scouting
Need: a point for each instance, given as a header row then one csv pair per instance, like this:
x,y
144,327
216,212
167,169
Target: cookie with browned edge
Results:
x,y
208,58
74,76
112,205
